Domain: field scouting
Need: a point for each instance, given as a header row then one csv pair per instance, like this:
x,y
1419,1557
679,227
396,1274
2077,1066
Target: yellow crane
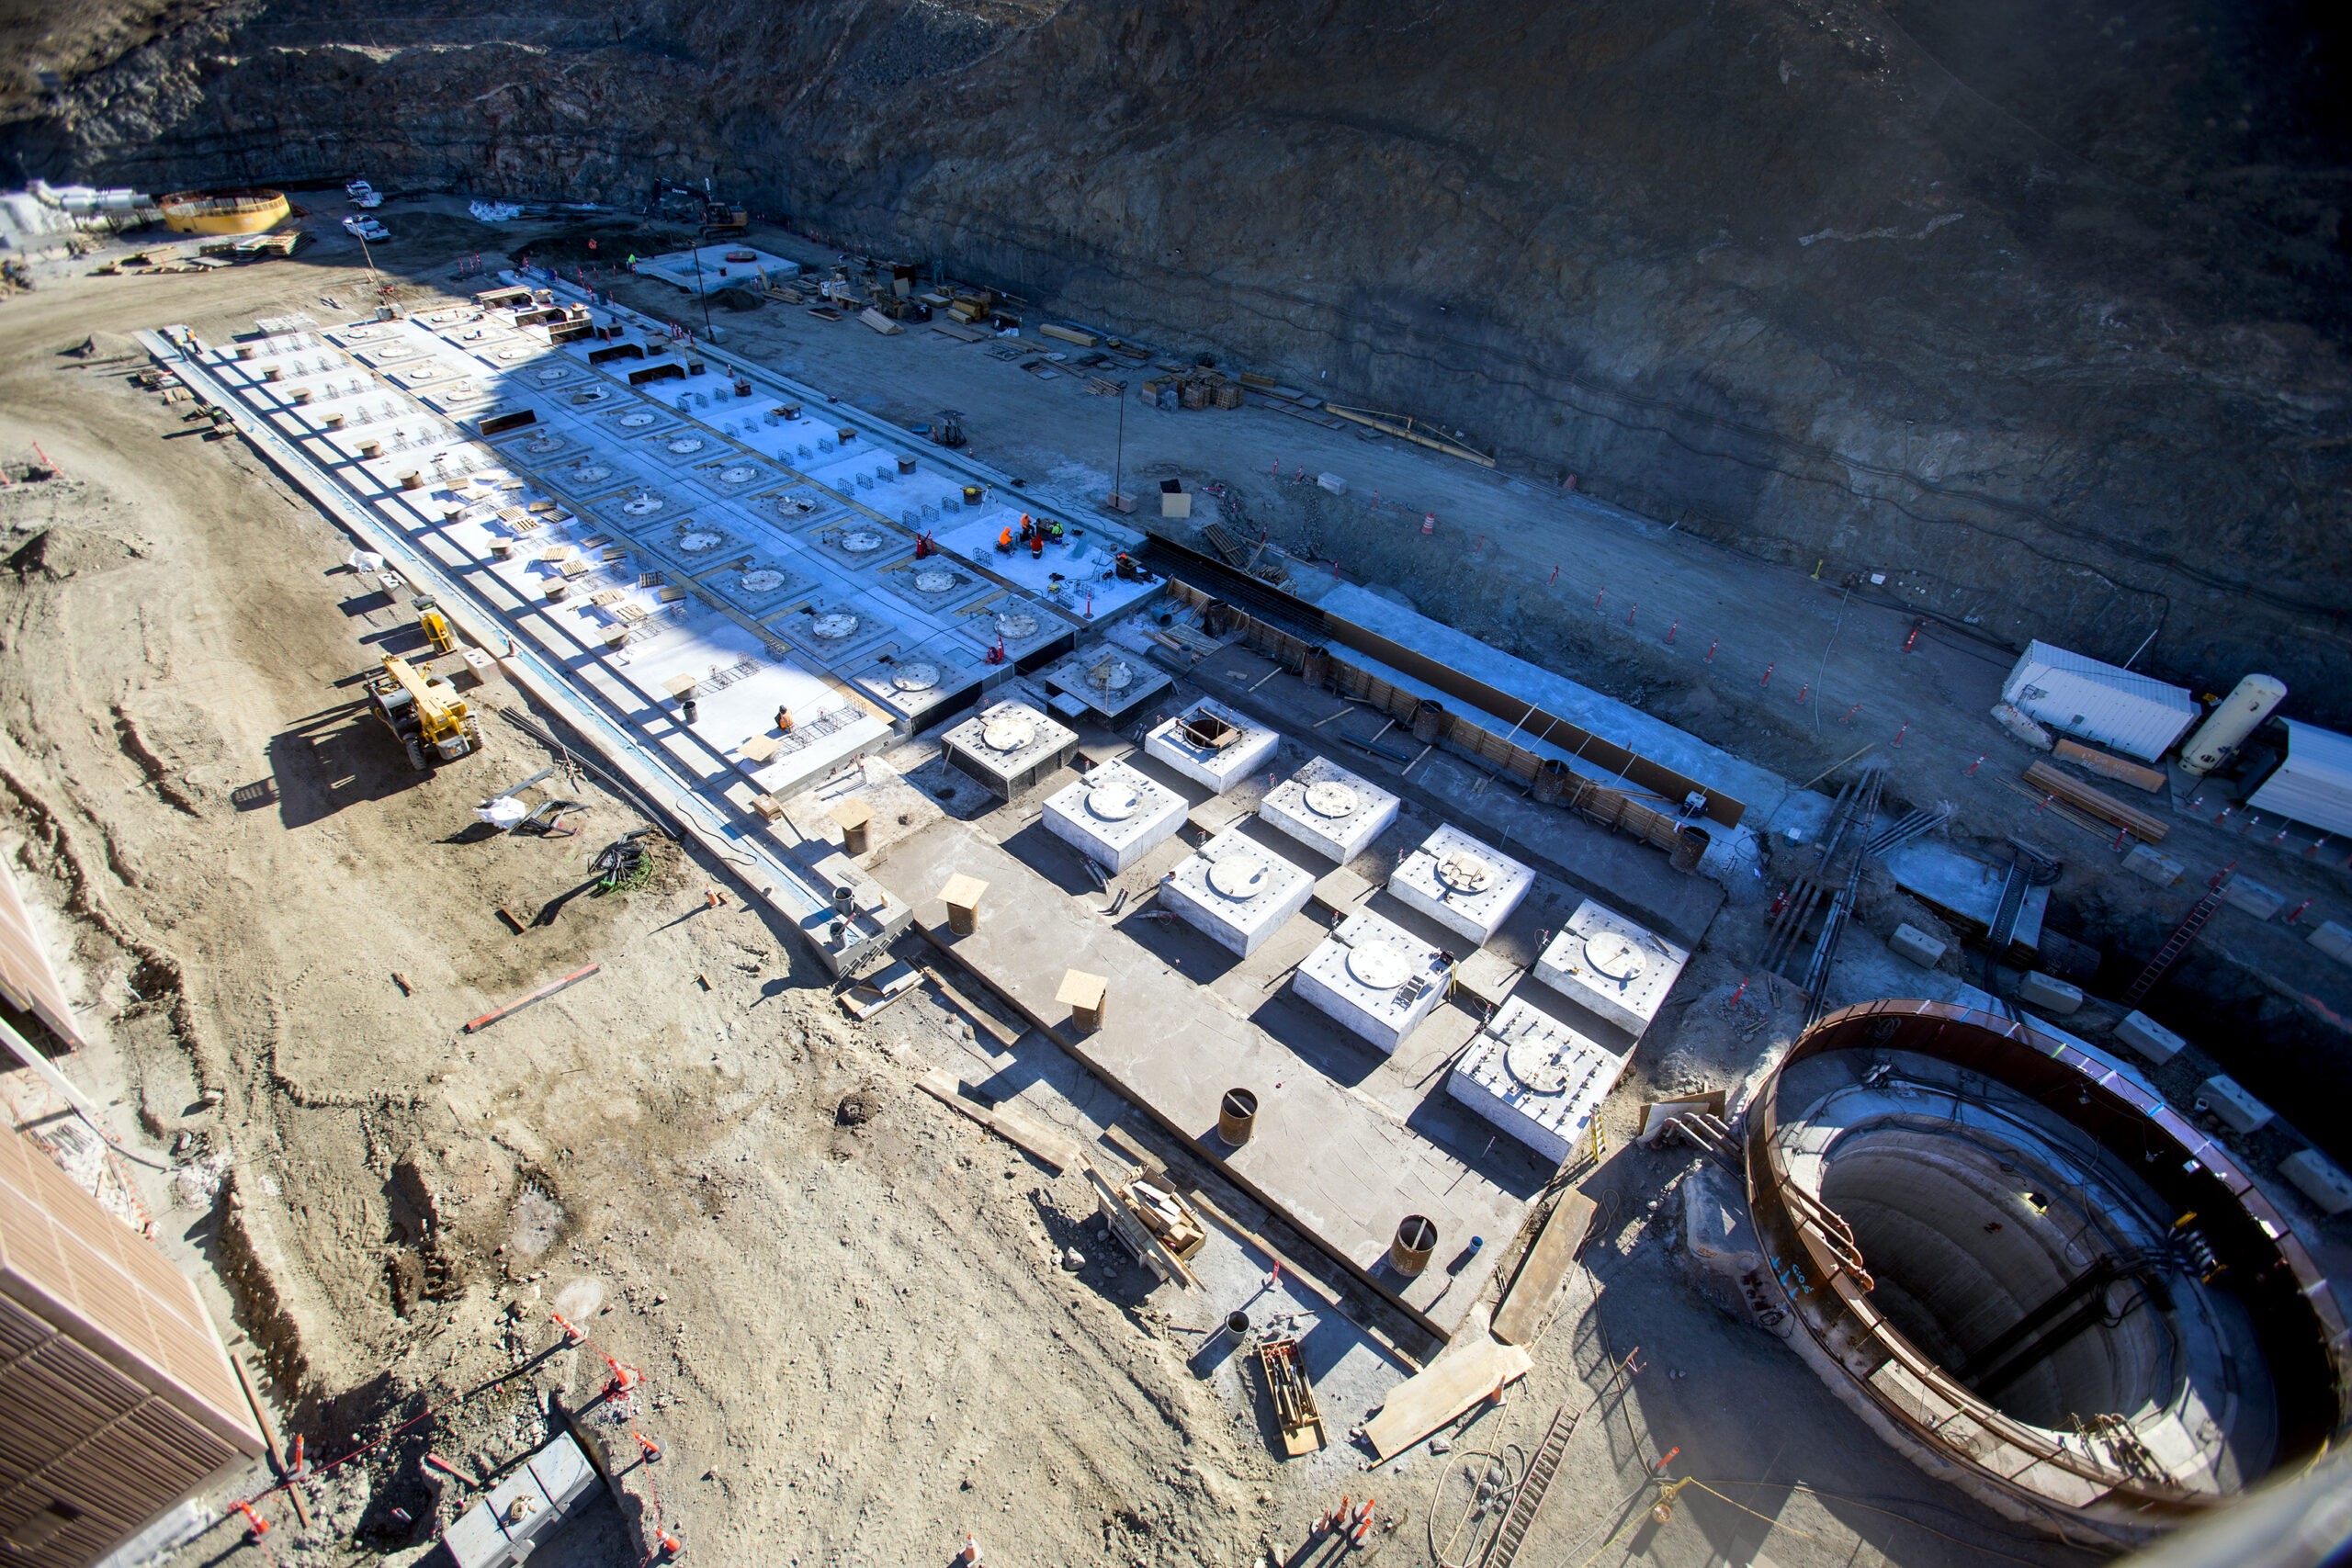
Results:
x,y
425,713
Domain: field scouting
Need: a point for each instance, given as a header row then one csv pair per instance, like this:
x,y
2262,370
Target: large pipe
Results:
x,y
2228,726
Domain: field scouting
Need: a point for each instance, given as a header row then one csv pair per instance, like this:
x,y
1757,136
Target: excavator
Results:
x,y
425,713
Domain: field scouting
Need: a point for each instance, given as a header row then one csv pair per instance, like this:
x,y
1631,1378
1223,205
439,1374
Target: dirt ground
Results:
x,y
857,1332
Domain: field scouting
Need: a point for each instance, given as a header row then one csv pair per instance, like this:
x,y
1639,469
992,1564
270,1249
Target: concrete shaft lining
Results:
x,y
1920,1204
1929,1121
1920,1158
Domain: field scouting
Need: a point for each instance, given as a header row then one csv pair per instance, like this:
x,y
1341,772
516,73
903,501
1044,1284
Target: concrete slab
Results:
x,y
1236,892
1329,809
1611,967
1537,1077
1374,980
1963,888
1240,746
1333,1162
2160,869
704,269
1114,816
1468,887
2254,898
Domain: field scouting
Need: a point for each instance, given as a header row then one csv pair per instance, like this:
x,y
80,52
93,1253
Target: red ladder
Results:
x,y
2170,952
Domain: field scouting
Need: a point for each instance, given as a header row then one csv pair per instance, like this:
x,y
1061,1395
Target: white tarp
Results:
x,y
2313,785
2104,704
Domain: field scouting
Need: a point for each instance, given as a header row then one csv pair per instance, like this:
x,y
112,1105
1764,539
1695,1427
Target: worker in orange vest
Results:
x,y
1028,528
1004,542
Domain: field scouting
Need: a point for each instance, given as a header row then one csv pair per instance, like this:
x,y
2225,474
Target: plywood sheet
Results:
x,y
1442,1391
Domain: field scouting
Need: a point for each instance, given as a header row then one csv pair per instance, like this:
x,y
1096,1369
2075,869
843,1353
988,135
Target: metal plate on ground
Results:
x,y
1329,799
1613,956
1379,965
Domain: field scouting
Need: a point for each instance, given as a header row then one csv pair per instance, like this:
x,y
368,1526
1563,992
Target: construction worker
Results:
x,y
783,721
1028,528
1053,532
1004,542
1038,545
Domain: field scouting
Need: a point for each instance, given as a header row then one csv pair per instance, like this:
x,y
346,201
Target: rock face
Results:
x,y
2039,311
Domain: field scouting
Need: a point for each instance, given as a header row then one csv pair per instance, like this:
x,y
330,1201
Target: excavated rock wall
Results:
x,y
2046,308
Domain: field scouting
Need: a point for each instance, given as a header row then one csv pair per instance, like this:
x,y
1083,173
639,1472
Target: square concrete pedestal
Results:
x,y
1212,745
1114,816
1009,747
1535,1077
1235,893
1461,884
1329,809
1374,978
1612,967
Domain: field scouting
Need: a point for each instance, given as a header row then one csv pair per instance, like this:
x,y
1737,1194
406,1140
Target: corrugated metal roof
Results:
x,y
2313,785
2111,675
2136,715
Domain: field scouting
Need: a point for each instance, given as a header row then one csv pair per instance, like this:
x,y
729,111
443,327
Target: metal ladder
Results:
x,y
2170,952
1529,1500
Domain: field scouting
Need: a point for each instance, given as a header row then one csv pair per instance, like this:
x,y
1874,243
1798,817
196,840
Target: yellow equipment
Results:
x,y
433,623
425,715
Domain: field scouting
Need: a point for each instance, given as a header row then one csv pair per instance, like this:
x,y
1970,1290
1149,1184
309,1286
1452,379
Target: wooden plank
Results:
x,y
1135,1234
1439,1393
2097,802
1403,426
2122,770
1005,1033
1530,1298
1010,1125
878,990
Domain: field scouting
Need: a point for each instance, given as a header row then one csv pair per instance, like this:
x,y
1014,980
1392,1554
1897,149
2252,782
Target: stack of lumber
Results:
x,y
2096,803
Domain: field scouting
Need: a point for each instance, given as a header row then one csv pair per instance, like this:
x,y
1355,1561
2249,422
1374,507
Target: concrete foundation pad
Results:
x,y
1329,809
1535,1076
1611,966
2254,898
1246,747
1114,816
1465,885
1235,893
1328,1162
1009,747
1372,977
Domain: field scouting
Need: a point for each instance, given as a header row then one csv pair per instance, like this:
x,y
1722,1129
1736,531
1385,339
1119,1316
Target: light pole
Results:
x,y
698,288
1119,462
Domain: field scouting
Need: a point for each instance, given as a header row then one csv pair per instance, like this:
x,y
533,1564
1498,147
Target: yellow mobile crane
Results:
x,y
425,715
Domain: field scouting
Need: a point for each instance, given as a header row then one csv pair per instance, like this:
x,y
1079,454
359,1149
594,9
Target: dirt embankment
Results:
x,y
2046,308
